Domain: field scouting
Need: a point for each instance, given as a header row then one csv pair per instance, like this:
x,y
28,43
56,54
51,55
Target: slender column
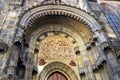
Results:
x,y
19,35
90,72
29,67
95,52
26,4
111,59
13,59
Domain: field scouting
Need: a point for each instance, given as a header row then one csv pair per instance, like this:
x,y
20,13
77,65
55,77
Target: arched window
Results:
x,y
113,20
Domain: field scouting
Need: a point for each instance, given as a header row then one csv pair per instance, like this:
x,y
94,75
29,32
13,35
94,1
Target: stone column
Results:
x,y
112,62
26,4
95,52
111,58
19,35
89,71
29,67
13,59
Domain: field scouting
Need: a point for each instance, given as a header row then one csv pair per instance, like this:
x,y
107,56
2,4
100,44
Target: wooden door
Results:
x,y
57,76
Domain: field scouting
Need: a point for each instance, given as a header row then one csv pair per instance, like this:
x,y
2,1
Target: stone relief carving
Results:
x,y
68,2
56,46
83,4
42,62
72,63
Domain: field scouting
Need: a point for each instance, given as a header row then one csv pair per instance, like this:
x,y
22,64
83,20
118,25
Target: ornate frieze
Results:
x,y
82,4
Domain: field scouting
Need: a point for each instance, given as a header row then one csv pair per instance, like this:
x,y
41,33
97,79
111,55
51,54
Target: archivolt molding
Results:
x,y
57,70
35,44
32,15
60,67
36,13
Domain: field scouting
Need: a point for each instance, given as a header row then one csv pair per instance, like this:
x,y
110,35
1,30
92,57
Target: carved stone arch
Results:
x,y
29,19
33,14
36,13
42,30
60,67
36,36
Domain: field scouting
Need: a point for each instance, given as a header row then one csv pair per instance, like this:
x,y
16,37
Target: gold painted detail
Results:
x,y
56,47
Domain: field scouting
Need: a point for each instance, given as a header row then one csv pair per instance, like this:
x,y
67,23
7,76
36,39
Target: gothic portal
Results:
x,y
59,40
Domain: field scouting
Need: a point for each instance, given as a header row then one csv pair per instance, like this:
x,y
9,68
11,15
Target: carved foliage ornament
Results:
x,y
56,47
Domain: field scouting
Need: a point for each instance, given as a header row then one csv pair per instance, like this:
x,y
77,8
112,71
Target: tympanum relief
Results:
x,y
56,47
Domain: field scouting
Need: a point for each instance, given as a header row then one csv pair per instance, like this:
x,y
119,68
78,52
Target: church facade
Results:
x,y
59,40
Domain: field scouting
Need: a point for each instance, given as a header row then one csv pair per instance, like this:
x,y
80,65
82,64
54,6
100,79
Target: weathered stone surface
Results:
x,y
76,38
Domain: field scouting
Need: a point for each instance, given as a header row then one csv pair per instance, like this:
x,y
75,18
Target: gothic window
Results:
x,y
113,21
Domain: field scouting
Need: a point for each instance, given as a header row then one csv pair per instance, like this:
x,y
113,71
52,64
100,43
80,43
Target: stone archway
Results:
x,y
43,24
58,67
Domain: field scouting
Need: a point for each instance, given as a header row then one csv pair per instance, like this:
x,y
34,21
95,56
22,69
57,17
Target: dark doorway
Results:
x,y
57,76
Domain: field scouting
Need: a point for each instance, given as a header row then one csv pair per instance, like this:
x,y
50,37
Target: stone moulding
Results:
x,y
60,67
32,15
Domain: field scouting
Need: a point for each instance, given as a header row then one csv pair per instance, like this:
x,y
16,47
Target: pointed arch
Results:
x,y
59,67
36,13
